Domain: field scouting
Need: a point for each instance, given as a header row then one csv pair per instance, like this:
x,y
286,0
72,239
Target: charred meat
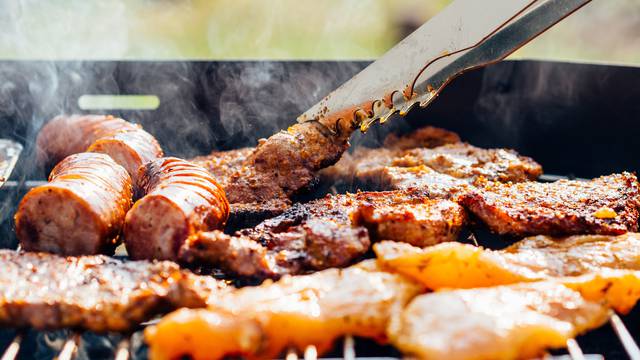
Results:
x,y
329,232
606,205
96,293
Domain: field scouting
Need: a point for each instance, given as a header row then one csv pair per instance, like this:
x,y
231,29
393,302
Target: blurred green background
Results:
x,y
605,30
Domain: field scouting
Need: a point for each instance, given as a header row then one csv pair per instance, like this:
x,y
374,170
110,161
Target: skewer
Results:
x,y
69,348
625,337
348,350
122,351
310,353
12,350
291,354
574,350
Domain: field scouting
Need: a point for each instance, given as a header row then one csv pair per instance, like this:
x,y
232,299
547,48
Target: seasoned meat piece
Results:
x,y
95,293
223,164
464,161
329,232
456,265
421,177
504,322
182,199
365,159
260,322
80,211
606,205
128,144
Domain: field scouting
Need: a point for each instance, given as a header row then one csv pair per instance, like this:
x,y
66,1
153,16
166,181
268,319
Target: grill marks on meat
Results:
x,y
181,199
128,144
80,211
504,322
260,322
96,293
456,265
605,205
329,232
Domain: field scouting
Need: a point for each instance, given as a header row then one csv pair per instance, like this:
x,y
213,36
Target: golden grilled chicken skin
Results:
x,y
261,322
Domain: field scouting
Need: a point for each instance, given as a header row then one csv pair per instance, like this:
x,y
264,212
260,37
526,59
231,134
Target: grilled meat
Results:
x,y
128,144
363,159
329,232
80,211
606,205
223,164
260,322
455,265
181,199
505,322
96,293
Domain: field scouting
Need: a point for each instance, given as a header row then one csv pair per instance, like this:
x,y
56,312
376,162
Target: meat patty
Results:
x,y
329,232
128,144
80,211
181,199
606,205
96,293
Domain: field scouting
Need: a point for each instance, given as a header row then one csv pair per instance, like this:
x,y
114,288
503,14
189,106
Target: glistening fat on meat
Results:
x,y
80,211
182,199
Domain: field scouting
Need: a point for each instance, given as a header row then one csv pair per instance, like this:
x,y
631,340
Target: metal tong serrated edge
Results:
x,y
522,27
9,154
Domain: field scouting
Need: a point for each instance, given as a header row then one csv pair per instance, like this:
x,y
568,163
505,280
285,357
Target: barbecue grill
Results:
x,y
577,120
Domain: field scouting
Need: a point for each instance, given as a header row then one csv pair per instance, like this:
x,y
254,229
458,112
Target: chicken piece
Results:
x,y
260,322
606,205
330,232
96,293
456,265
504,322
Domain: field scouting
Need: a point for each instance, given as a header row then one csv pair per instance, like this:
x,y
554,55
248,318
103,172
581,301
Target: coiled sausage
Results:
x,y
182,199
80,211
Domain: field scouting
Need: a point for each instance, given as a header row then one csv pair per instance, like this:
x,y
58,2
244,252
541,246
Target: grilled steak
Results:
x,y
80,211
260,322
181,199
96,293
504,322
329,232
532,259
606,205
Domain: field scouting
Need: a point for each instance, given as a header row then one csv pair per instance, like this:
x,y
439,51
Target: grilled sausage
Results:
x,y
182,199
80,211
128,144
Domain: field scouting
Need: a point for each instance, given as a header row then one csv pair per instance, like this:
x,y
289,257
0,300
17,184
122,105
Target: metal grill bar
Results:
x,y
123,350
12,350
625,337
310,353
291,354
69,348
348,349
574,350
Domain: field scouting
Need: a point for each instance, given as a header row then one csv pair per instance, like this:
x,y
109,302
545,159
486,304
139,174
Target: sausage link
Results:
x,y
128,144
80,211
182,199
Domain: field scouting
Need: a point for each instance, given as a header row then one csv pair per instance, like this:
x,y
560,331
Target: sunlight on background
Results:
x,y
276,29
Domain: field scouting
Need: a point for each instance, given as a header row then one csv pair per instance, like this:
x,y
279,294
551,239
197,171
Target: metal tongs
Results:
x,y
467,34
9,153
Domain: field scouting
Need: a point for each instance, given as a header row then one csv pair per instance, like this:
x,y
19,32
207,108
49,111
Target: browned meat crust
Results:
x,y
128,144
607,205
80,211
330,232
182,199
464,161
223,164
96,293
